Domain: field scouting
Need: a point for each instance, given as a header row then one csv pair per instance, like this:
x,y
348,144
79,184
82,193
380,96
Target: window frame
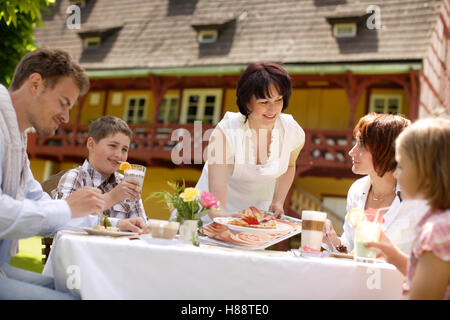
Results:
x,y
127,107
386,98
353,26
201,106
166,119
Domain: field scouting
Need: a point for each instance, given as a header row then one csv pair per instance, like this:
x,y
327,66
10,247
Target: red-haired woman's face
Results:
x,y
361,158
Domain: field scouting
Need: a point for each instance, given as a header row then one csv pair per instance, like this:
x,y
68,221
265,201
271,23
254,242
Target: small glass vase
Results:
x,y
188,232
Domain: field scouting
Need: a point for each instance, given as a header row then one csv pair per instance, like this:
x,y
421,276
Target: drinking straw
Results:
x,y
378,211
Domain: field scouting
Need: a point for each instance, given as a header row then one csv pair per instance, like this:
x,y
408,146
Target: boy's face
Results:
x,y
105,154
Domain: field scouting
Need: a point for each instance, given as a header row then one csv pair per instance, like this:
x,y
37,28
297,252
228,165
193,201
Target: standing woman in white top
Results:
x,y
374,156
252,153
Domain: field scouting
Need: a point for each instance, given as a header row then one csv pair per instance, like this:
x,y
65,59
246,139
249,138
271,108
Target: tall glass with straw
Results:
x,y
368,230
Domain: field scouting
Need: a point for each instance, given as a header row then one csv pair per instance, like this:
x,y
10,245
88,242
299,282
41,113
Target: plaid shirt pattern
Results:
x,y
87,176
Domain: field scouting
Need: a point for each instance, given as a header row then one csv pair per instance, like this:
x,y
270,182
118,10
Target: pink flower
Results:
x,y
208,200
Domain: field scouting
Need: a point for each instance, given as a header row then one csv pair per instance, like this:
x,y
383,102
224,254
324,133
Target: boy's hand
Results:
x,y
133,225
127,189
87,200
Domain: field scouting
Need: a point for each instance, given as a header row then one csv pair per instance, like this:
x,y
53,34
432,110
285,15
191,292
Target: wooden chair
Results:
x,y
48,186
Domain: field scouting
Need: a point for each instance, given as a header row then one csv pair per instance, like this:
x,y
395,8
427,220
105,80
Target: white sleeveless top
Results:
x,y
250,184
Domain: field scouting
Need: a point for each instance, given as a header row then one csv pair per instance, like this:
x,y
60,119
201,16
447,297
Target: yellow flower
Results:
x,y
189,194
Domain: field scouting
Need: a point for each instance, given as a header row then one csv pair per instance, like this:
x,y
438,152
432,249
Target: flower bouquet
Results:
x,y
189,203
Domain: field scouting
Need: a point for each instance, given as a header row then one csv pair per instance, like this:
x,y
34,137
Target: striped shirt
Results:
x,y
87,176
432,234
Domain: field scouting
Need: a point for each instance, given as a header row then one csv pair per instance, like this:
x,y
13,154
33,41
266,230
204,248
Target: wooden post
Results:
x,y
80,102
414,96
159,88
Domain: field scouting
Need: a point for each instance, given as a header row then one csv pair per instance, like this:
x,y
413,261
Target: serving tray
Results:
x,y
205,239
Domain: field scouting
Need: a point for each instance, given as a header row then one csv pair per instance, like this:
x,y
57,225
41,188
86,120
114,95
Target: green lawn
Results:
x,y
30,255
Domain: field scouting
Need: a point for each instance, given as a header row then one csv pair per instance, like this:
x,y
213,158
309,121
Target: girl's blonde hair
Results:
x,y
427,143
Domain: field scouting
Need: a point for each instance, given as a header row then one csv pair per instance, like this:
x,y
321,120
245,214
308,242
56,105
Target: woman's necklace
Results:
x,y
383,197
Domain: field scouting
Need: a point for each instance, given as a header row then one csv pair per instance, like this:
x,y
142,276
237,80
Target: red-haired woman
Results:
x,y
374,156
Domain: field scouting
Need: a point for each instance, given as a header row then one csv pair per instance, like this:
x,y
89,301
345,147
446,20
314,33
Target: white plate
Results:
x,y
224,221
96,232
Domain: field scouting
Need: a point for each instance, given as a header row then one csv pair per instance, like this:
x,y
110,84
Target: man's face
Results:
x,y
50,106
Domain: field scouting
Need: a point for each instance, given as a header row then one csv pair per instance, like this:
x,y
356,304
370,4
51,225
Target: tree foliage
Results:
x,y
18,18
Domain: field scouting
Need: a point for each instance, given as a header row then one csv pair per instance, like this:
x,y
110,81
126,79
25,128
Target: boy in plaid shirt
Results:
x,y
108,142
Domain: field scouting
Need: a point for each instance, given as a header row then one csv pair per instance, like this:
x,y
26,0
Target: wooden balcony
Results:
x,y
325,152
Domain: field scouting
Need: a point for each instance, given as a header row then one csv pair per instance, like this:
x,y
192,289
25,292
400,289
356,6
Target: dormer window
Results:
x,y
344,30
344,23
209,28
93,36
207,36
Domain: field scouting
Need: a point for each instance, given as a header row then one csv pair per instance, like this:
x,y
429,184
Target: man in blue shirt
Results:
x,y
44,88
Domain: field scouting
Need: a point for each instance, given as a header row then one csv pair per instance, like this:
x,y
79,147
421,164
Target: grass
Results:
x,y
30,255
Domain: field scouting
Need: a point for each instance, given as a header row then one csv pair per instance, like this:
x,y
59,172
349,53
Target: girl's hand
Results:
x,y
277,209
390,252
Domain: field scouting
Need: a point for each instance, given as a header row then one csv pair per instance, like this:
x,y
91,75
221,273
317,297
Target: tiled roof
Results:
x,y
161,33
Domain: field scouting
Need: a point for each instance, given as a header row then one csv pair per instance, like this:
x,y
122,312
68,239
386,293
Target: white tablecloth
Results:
x,y
96,267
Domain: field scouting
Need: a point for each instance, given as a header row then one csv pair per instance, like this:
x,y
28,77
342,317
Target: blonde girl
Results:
x,y
423,172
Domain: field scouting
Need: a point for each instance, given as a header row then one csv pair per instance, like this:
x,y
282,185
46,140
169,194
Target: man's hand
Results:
x,y
87,200
133,225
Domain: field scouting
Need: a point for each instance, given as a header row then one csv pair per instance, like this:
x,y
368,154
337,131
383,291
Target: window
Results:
x,y
201,105
91,42
94,99
344,30
136,109
386,103
168,111
207,36
116,99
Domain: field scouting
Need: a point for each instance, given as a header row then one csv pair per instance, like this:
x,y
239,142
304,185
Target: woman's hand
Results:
x,y
277,209
329,230
390,252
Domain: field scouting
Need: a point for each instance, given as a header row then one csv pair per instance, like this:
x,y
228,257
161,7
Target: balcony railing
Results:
x,y
150,142
324,149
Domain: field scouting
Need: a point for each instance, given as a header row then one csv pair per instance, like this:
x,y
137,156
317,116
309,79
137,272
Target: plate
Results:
x,y
224,221
341,255
96,232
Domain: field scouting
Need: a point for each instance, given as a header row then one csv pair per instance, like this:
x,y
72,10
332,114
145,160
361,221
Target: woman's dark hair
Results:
x,y
377,134
256,81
